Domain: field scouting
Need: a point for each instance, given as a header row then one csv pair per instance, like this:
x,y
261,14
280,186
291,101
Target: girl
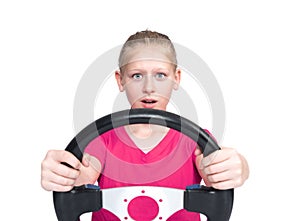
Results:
x,y
148,74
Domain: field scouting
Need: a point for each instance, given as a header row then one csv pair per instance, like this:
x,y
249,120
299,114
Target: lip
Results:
x,y
148,102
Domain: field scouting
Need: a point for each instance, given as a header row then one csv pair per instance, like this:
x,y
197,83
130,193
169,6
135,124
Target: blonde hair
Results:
x,y
147,38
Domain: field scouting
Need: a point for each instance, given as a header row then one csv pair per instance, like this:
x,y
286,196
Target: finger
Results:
x,y
199,164
70,159
211,158
49,186
216,168
65,171
52,166
225,180
86,159
63,156
197,152
95,164
58,179
220,177
218,156
224,185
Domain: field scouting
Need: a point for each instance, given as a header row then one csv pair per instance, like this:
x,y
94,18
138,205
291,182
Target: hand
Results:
x,y
223,169
58,177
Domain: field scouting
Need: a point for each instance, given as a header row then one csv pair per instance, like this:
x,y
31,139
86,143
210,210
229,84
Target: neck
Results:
x,y
146,136
144,131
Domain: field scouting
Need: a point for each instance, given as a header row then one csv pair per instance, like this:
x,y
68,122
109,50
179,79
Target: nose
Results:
x,y
149,84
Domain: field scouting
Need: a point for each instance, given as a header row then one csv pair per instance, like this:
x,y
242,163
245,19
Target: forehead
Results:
x,y
148,64
147,56
147,52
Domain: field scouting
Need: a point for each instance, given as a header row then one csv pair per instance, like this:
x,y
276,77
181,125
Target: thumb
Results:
x,y
86,159
199,158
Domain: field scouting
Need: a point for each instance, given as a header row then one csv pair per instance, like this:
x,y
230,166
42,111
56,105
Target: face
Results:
x,y
148,83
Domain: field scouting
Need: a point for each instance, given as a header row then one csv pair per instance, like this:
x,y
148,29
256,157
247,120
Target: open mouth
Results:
x,y
149,101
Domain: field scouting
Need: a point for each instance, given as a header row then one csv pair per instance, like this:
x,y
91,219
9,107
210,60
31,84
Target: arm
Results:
x,y
223,169
58,177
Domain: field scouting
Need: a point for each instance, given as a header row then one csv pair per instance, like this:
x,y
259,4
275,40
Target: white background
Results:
x,y
252,47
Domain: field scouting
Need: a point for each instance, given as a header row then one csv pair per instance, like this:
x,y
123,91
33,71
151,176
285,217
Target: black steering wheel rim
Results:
x,y
205,142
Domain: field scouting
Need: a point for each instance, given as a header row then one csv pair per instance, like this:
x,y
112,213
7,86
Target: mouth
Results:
x,y
149,101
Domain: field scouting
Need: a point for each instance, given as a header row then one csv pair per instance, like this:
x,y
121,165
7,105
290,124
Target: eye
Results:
x,y
137,76
160,75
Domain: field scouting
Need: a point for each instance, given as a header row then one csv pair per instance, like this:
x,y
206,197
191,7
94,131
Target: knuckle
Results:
x,y
44,164
209,170
237,174
72,173
239,182
239,171
66,188
75,174
66,182
218,185
65,155
50,154
44,184
44,176
212,179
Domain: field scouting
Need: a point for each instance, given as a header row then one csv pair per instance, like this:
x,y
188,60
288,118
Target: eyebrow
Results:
x,y
136,69
161,69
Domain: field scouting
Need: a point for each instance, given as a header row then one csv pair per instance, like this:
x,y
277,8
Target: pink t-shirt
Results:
x,y
169,164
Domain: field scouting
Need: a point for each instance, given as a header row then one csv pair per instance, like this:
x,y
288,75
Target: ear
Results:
x,y
118,77
177,79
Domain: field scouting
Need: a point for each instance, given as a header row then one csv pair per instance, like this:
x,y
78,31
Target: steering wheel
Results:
x,y
215,204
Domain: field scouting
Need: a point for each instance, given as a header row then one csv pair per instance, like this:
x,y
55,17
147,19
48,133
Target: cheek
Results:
x,y
133,93
165,89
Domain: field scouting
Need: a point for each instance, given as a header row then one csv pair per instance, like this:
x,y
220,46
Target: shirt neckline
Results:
x,y
126,139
